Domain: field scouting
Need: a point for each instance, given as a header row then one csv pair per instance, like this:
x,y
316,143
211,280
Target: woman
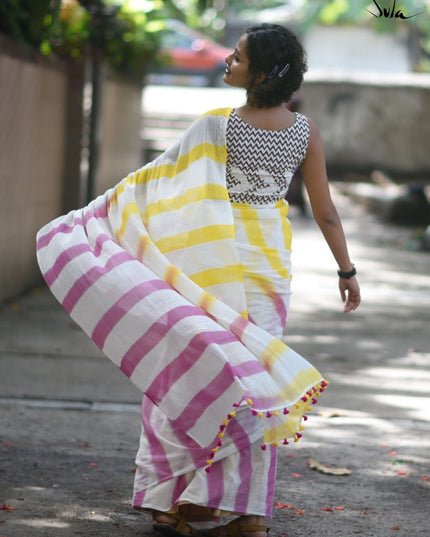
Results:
x,y
181,274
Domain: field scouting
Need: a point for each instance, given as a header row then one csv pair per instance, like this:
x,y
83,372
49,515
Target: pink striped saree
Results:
x,y
154,273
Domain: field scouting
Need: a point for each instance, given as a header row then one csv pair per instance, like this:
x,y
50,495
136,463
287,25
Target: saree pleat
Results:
x,y
241,481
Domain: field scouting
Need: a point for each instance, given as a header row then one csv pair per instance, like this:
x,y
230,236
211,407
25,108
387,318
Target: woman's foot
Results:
x,y
244,526
171,524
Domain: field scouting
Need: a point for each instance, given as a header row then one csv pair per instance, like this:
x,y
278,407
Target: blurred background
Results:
x,y
91,90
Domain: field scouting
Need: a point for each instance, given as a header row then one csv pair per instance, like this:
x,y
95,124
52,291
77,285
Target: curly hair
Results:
x,y
272,49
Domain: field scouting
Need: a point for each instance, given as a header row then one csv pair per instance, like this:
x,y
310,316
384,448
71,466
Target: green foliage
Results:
x,y
69,33
371,13
124,33
367,12
28,21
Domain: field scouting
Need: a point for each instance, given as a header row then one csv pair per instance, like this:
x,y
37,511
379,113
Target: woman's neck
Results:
x,y
272,118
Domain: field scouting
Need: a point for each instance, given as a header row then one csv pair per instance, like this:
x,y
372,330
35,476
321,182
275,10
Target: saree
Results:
x,y
151,272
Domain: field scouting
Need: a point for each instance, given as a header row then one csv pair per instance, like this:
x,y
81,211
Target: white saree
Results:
x,y
153,272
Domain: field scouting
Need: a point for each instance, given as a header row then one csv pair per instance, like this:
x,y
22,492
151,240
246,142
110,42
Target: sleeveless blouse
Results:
x,y
261,163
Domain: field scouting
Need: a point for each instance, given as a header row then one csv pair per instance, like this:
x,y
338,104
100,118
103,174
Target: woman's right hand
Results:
x,y
350,293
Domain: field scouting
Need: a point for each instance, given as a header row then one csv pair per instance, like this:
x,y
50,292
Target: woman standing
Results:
x,y
181,274
265,145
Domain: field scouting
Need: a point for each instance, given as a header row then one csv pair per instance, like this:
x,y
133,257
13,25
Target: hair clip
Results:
x,y
273,72
284,70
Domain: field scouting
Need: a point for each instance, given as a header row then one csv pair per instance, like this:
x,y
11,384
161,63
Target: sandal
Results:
x,y
170,530
235,529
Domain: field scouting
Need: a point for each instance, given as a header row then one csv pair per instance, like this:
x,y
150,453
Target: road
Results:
x,y
189,100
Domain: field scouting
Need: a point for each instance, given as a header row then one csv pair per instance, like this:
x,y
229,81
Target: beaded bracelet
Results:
x,y
347,275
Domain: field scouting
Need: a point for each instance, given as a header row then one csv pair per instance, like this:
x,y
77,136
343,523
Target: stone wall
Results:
x,y
32,140
120,141
372,122
40,151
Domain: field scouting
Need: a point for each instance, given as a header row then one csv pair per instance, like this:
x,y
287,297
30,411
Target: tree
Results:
x,y
125,32
381,15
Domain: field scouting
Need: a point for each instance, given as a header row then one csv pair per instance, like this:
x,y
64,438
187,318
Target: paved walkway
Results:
x,y
69,420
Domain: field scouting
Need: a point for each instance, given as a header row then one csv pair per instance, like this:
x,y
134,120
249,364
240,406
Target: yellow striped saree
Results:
x,y
154,273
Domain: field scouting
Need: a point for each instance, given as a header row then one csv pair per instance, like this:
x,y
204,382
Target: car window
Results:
x,y
172,39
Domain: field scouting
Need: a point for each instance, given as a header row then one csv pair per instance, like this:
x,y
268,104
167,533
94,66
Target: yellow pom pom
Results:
x,y
209,462
250,402
275,412
275,444
260,415
221,435
296,405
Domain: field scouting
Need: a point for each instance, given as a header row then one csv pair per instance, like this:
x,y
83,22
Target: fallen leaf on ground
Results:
x,y
339,508
326,509
5,507
296,475
425,478
279,505
395,528
332,413
300,511
327,469
402,473
93,464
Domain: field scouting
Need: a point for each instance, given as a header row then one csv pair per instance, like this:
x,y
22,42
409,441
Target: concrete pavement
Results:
x,y
69,420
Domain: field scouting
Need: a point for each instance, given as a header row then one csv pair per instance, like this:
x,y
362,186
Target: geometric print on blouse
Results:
x,y
261,163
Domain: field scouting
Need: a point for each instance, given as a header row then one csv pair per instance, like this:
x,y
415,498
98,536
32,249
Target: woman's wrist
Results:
x,y
348,274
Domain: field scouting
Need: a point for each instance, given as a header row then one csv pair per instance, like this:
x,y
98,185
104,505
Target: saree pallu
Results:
x,y
151,272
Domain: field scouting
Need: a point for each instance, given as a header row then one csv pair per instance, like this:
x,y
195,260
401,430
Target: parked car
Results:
x,y
186,52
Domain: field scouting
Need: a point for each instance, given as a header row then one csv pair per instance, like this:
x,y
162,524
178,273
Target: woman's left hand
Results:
x,y
350,293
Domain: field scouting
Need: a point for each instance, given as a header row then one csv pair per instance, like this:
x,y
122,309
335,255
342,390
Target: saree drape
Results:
x,y
151,272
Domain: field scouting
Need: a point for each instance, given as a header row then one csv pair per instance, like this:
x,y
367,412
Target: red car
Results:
x,y
187,52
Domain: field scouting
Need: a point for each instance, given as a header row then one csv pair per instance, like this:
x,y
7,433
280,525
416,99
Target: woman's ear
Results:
x,y
261,77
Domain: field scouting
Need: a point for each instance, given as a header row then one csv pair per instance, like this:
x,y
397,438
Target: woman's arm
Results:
x,y
315,178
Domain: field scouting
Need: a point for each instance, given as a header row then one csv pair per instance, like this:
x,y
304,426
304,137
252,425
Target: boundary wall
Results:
x,y
372,122
40,150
